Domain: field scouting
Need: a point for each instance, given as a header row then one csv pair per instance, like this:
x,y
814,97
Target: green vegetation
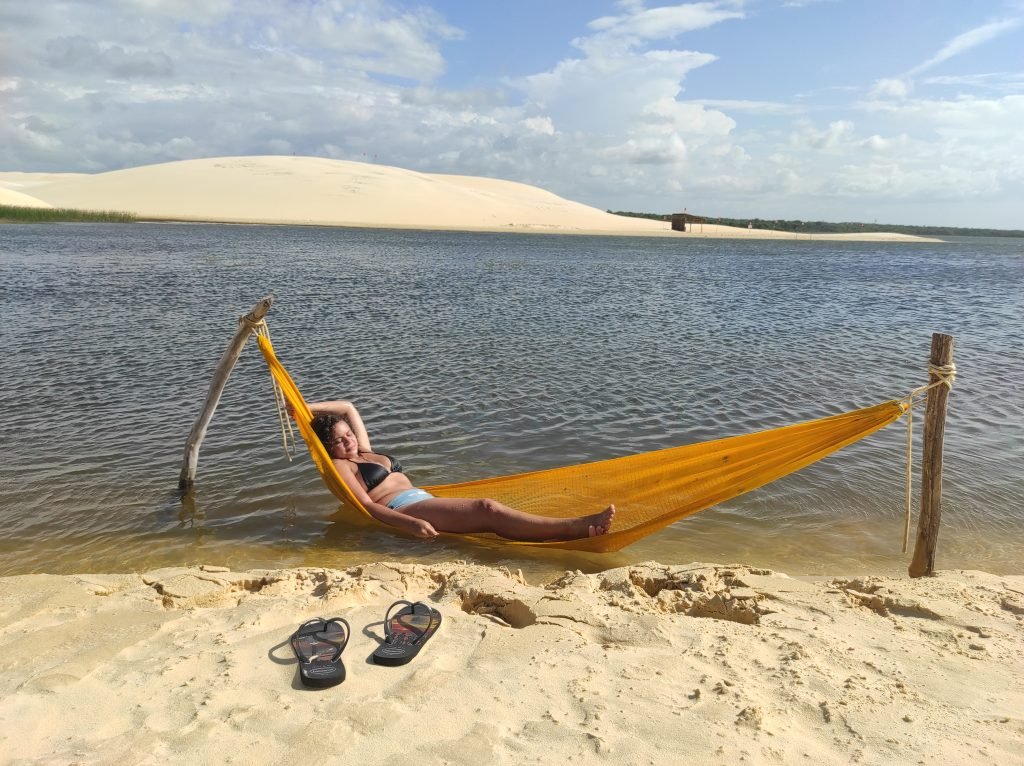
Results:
x,y
10,213
845,227
652,216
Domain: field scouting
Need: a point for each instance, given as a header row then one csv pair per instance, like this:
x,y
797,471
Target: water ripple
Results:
x,y
480,354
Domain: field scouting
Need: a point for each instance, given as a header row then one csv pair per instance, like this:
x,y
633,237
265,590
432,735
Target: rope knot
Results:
x,y
253,324
946,373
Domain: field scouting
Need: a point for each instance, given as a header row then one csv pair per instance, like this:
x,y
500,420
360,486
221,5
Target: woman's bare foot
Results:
x,y
600,523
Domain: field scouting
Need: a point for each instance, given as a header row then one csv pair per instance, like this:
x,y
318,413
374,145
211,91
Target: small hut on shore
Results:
x,y
685,221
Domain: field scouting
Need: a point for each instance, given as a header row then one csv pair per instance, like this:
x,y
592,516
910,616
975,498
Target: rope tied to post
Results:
x,y
945,374
287,433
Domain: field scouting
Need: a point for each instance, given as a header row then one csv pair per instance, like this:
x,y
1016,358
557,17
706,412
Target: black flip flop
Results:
x,y
318,644
406,632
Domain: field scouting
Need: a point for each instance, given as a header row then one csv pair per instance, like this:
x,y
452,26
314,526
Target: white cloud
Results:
x,y
974,115
666,115
880,144
944,153
647,151
230,77
1007,82
658,23
609,90
80,53
890,87
832,137
967,40
617,112
894,180
749,107
541,125
617,105
199,11
900,87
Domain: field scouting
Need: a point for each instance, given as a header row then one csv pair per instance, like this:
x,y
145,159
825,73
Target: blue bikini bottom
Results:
x,y
408,497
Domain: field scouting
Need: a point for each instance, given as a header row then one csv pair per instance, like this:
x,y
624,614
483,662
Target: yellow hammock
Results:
x,y
650,490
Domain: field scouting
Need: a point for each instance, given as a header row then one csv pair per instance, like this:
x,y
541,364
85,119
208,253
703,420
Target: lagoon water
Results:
x,y
481,354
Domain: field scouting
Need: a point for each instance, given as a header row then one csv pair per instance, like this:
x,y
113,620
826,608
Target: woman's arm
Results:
x,y
345,409
412,525
382,513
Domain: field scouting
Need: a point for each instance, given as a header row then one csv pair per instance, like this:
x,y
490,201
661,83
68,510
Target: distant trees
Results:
x,y
828,227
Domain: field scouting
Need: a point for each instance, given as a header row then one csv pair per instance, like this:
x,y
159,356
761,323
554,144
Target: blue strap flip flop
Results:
x,y
318,644
406,632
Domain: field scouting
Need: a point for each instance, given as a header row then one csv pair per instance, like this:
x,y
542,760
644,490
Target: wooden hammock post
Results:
x,y
246,325
923,562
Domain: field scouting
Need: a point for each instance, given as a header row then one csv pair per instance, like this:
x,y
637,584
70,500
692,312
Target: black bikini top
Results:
x,y
374,473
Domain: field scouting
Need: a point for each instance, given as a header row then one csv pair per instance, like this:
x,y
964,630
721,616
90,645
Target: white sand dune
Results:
x,y
16,198
20,181
647,664
318,191
311,190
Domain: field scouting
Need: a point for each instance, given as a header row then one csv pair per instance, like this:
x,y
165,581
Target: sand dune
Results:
x,y
16,198
20,181
318,191
647,664
310,190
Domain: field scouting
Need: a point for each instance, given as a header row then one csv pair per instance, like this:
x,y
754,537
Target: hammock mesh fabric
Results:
x,y
650,490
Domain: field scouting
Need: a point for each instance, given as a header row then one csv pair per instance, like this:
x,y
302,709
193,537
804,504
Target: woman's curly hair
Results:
x,y
323,425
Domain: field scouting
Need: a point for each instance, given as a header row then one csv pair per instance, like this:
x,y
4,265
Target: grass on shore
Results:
x,y
13,214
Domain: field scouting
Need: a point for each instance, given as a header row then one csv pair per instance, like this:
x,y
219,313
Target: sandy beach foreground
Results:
x,y
696,664
326,192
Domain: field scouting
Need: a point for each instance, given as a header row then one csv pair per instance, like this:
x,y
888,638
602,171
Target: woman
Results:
x,y
379,484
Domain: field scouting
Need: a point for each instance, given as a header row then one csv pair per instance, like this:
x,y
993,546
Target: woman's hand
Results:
x,y
421,528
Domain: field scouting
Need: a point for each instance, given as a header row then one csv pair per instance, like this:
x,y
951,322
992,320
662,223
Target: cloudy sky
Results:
x,y
899,111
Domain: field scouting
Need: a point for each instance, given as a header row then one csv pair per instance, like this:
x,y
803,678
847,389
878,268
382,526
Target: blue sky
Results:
x,y
901,111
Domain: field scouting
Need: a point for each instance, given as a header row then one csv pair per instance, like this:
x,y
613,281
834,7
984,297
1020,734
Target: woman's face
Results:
x,y
343,442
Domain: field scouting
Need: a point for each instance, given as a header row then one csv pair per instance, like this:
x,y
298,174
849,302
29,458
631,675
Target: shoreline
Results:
x,y
748,234
186,664
314,191
755,234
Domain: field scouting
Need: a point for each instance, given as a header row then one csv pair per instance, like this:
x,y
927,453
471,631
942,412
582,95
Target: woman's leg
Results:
x,y
448,514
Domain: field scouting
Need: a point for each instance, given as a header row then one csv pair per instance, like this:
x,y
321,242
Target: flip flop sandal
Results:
x,y
406,632
318,644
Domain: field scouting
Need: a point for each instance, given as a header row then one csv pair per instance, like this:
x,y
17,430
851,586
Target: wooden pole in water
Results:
x,y
923,562
246,325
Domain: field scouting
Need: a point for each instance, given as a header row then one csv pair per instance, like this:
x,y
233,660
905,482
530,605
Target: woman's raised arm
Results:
x,y
345,409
